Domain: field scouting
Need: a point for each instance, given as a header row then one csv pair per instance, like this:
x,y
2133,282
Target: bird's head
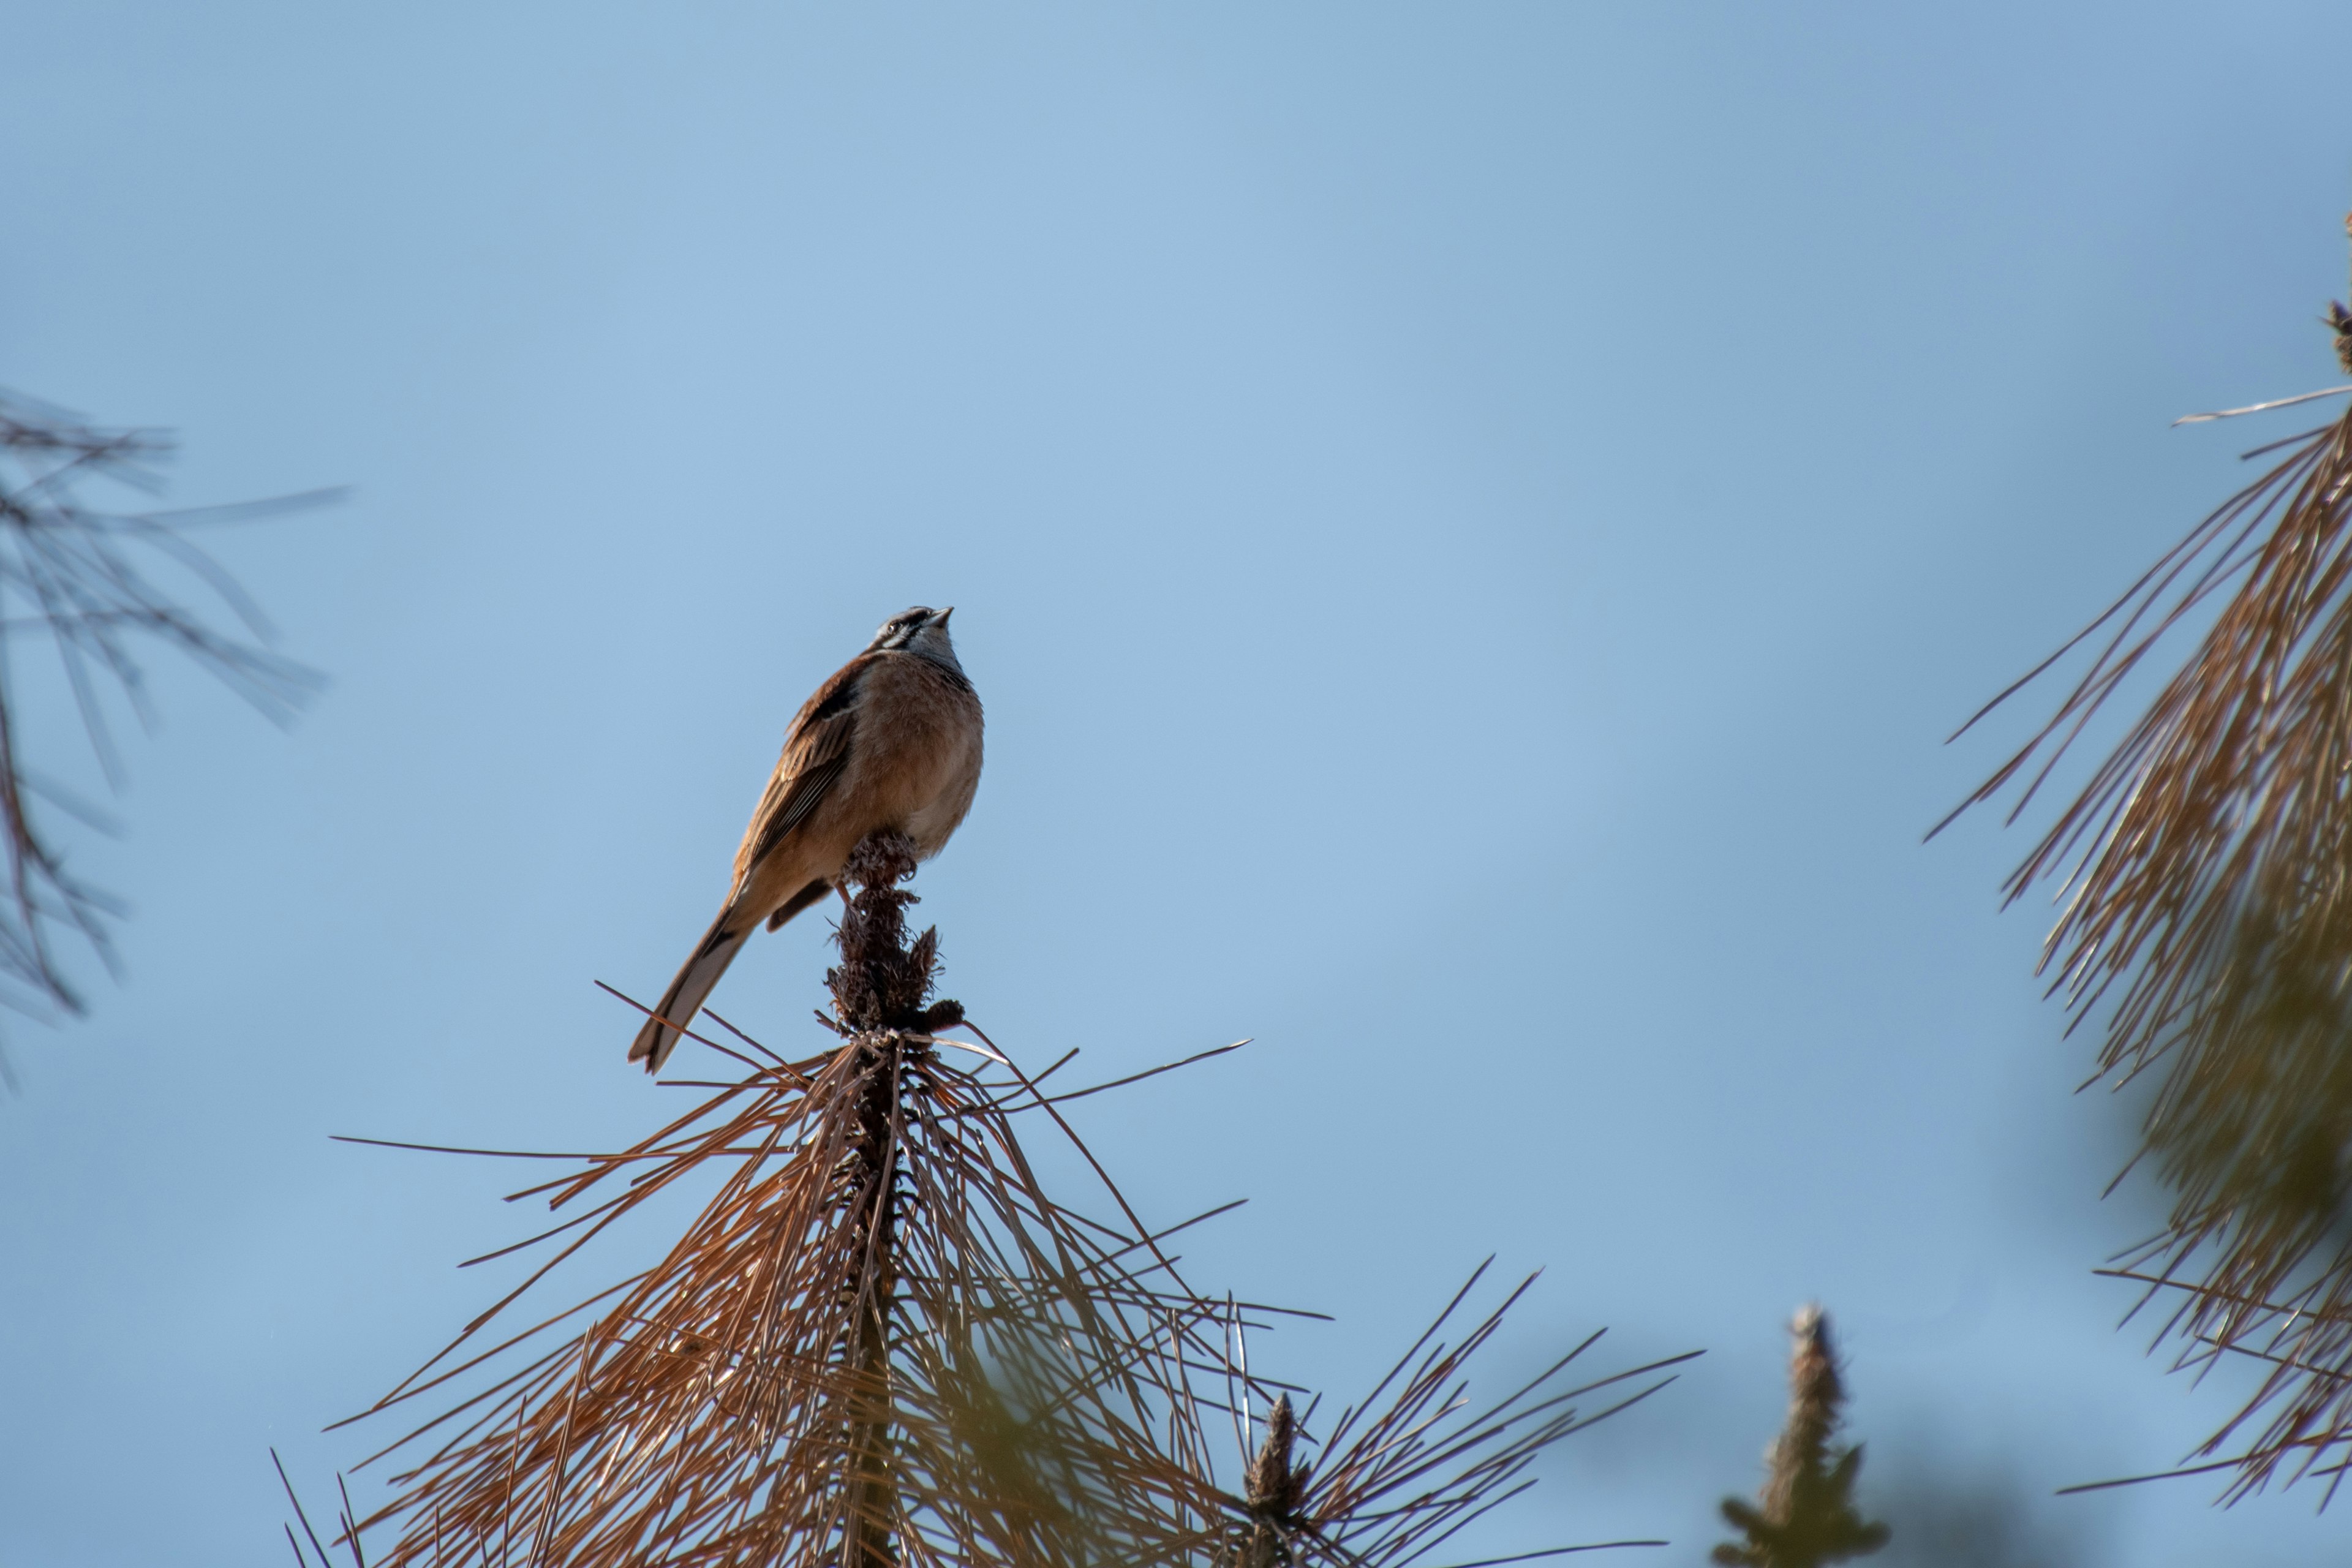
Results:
x,y
921,631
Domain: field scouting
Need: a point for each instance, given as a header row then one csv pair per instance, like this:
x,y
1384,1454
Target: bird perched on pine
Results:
x,y
890,743
2340,319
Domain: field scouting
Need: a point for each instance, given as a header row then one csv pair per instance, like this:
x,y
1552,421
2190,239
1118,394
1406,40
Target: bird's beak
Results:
x,y
939,617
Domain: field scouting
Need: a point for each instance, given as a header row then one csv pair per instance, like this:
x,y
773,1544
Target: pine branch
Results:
x,y
1417,1460
2208,924
1805,1516
880,1342
76,575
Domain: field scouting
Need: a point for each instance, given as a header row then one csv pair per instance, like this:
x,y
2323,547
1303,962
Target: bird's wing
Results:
x,y
816,748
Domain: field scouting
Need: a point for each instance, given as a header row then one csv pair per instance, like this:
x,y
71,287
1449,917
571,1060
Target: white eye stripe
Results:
x,y
901,630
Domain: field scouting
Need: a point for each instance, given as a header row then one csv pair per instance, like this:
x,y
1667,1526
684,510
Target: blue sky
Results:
x,y
1472,525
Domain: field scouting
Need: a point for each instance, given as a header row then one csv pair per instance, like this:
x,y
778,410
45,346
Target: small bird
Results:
x,y
892,740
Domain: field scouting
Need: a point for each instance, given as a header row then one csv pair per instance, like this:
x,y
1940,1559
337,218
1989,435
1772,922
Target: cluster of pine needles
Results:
x,y
2205,923
882,1341
1417,1460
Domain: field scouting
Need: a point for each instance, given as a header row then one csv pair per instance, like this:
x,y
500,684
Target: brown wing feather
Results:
x,y
816,748
798,903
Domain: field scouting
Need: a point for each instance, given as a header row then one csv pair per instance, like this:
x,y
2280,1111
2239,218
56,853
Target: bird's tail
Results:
x,y
686,994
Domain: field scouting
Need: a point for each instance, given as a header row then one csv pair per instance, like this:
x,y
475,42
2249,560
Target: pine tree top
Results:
x,y
1807,1518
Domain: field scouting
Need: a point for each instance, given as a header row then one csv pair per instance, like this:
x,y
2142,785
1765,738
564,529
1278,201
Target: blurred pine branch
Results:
x,y
76,575
2207,873
1805,1517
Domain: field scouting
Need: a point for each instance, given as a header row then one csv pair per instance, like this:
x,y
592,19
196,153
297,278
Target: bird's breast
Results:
x,y
919,740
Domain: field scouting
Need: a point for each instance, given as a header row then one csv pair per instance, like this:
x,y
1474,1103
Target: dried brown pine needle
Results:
x,y
346,1534
881,1341
2207,922
1417,1460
